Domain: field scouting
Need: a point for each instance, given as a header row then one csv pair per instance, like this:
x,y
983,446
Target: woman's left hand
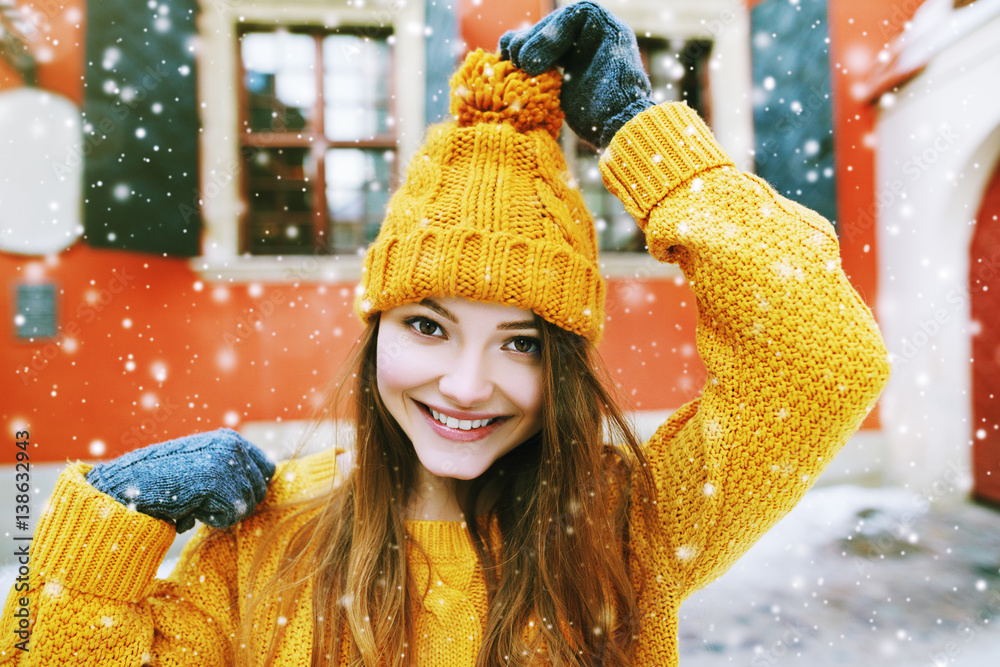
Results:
x,y
604,83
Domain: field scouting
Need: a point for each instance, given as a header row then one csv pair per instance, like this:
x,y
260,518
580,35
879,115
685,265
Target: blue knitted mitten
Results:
x,y
216,477
604,83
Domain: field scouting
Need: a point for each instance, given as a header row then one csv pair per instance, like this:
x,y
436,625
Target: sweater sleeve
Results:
x,y
94,599
795,360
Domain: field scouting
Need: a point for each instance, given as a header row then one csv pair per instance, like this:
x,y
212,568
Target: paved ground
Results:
x,y
856,577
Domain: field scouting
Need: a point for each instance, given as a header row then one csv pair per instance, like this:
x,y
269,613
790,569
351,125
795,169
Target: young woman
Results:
x,y
498,510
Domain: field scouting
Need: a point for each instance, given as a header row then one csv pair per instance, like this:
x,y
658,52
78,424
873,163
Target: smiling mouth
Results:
x,y
459,424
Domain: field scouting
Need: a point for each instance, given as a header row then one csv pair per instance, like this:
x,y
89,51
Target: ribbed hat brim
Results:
x,y
560,285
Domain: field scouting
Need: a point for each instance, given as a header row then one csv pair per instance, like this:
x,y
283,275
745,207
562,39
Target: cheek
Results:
x,y
523,384
400,365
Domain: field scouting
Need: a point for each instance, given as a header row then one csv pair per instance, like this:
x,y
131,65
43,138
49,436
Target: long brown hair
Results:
x,y
557,502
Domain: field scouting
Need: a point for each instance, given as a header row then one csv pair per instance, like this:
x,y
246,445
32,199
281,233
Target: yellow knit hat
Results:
x,y
487,211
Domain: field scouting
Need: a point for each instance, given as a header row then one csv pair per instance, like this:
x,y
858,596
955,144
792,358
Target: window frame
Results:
x,y
221,196
726,23
312,139
602,204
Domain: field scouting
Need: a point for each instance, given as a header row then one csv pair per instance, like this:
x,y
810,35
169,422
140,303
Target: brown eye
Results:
x,y
424,326
524,345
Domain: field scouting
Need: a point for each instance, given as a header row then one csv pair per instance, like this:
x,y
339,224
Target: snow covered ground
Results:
x,y
856,576
852,576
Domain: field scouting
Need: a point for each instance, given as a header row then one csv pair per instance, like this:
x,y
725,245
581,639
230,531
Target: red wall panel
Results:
x,y
984,306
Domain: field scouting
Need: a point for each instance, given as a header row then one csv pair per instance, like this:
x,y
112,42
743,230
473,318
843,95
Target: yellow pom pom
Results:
x,y
486,89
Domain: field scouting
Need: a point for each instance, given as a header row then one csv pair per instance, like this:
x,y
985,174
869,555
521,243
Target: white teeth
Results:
x,y
462,424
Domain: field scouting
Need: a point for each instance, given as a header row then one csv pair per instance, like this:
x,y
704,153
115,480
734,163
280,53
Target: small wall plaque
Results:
x,y
36,311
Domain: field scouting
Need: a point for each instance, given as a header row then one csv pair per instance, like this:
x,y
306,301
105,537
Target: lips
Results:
x,y
460,425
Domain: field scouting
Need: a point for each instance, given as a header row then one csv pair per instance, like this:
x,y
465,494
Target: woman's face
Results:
x,y
463,380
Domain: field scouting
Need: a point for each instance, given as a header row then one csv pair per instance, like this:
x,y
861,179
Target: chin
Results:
x,y
465,470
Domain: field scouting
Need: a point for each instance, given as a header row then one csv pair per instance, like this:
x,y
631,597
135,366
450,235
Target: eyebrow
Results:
x,y
503,326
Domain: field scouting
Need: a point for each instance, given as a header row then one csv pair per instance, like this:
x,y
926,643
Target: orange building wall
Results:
x,y
55,37
984,307
481,22
859,30
201,362
148,351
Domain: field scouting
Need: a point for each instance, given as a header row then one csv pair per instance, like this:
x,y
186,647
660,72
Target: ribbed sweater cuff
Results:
x,y
655,152
88,542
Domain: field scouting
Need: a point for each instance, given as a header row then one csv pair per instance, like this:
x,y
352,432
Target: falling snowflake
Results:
x,y
686,552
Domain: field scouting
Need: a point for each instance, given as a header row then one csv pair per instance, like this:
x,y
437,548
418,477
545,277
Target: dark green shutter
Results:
x,y
442,54
790,46
141,152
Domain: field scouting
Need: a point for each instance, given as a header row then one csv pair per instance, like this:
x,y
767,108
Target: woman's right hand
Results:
x,y
217,478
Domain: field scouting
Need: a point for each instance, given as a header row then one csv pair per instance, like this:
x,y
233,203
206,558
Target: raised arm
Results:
x,y
795,360
794,357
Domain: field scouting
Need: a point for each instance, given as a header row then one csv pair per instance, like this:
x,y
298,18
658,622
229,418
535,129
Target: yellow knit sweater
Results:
x,y
795,362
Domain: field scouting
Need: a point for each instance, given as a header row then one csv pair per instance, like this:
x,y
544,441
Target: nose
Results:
x,y
467,382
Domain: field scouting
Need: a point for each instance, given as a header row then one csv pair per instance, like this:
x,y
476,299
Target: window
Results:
x,y
678,70
317,138
295,161
297,199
